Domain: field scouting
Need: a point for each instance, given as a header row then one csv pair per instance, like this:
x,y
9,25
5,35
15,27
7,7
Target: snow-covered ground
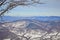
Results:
x,y
23,30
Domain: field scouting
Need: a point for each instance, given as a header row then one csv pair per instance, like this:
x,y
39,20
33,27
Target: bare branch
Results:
x,y
2,2
14,3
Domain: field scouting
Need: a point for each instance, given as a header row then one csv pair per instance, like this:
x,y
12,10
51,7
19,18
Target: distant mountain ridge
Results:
x,y
40,18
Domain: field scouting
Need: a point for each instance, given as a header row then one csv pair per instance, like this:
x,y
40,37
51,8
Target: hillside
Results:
x,y
32,29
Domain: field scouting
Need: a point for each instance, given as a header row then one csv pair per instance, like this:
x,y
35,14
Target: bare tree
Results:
x,y
24,36
6,33
1,2
13,3
27,38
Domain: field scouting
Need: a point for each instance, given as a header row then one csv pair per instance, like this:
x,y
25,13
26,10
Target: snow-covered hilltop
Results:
x,y
26,29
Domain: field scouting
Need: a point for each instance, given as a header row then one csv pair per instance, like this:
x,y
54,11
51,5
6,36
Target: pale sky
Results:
x,y
50,8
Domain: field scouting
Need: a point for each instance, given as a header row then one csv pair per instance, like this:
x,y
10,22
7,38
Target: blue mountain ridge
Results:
x,y
41,18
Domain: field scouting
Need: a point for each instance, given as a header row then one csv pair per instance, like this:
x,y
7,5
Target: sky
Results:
x,y
50,8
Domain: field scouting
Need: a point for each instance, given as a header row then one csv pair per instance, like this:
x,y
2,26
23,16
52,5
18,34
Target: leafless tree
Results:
x,y
27,38
24,36
13,3
1,2
6,33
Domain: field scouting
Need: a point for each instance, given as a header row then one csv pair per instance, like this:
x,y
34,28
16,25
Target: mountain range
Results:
x,y
39,18
36,27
